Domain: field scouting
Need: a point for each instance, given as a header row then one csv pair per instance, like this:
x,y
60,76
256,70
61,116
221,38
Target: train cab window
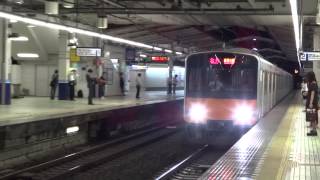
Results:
x,y
222,75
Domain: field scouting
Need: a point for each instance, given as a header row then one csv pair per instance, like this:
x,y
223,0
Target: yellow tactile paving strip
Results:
x,y
292,155
274,162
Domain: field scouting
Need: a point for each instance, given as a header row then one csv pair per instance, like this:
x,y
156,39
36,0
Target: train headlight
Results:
x,y
198,113
243,114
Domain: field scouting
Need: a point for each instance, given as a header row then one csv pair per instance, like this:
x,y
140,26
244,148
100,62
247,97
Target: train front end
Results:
x,y
221,92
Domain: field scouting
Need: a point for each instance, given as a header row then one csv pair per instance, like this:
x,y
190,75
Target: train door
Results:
x,y
260,93
271,90
274,89
265,93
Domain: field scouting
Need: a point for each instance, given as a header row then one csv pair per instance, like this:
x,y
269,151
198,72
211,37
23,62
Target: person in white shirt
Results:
x,y
174,83
138,85
72,77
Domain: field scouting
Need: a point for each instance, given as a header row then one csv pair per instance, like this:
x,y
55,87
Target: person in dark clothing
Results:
x,y
138,85
54,84
312,101
122,83
90,84
174,83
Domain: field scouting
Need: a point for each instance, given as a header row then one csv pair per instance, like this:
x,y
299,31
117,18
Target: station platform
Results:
x,y
277,147
32,128
30,109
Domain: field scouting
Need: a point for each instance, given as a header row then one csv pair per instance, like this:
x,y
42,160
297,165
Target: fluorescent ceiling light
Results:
x,y
254,39
168,51
114,61
20,38
74,30
295,20
73,129
13,21
255,49
143,55
28,55
179,53
157,48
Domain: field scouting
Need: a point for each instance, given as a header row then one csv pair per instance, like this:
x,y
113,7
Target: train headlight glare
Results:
x,y
198,113
243,114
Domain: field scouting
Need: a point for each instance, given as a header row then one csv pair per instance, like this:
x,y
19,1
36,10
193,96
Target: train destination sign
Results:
x,y
88,52
310,56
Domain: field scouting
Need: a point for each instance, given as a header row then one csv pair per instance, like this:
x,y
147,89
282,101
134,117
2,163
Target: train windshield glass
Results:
x,y
222,75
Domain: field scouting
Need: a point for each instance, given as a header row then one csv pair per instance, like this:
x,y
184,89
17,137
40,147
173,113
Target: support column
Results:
x,y
316,47
5,52
64,65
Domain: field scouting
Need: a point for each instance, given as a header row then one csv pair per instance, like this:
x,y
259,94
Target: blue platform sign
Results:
x,y
130,54
310,56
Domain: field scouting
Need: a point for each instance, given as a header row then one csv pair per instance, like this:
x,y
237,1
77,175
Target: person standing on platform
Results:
x,y
121,83
72,83
138,85
54,84
312,102
102,83
91,80
174,83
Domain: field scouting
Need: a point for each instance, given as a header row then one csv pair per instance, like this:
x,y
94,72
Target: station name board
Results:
x,y
88,52
310,56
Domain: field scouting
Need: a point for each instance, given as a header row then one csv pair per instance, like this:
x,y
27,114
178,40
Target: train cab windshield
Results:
x,y
222,75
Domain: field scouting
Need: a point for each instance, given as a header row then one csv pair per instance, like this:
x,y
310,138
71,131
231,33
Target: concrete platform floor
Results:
x,y
30,109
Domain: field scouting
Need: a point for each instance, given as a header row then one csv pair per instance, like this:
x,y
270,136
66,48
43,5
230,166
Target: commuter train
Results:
x,y
230,90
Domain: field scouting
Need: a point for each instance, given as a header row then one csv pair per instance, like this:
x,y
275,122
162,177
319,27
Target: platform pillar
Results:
x,y
5,52
64,65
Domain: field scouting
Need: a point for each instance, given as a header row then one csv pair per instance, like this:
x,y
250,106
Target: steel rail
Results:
x,y
74,156
182,164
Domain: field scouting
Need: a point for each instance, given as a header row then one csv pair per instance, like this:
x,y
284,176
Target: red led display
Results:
x,y
214,60
160,58
229,61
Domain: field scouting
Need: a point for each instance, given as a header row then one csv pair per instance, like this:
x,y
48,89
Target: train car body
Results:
x,y
230,90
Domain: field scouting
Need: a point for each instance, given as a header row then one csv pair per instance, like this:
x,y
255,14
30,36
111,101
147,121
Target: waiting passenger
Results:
x,y
138,85
54,84
174,83
102,86
304,88
91,81
72,77
312,102
216,84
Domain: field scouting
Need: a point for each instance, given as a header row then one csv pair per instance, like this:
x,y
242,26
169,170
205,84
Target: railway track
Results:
x,y
71,164
192,167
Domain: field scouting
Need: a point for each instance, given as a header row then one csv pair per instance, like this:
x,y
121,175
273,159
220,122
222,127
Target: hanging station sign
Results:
x,y
88,52
310,56
160,59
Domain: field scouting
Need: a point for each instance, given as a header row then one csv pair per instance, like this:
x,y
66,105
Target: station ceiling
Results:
x,y
194,25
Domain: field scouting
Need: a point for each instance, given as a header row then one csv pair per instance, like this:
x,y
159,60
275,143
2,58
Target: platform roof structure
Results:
x,y
191,25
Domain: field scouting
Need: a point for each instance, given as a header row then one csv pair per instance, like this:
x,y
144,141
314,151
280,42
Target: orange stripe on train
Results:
x,y
220,109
